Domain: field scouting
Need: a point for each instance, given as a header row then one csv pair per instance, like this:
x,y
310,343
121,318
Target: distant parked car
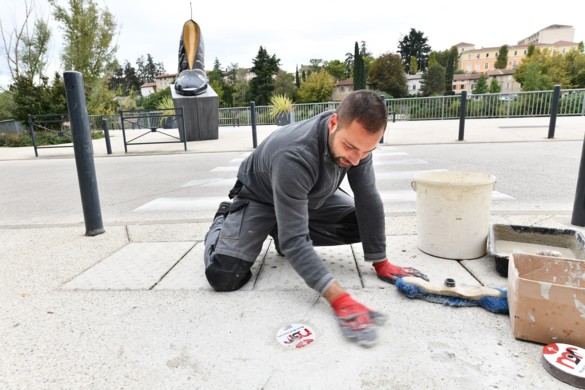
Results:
x,y
509,97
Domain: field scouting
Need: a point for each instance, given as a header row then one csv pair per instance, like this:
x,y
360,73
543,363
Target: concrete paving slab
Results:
x,y
168,232
189,273
136,266
278,274
403,251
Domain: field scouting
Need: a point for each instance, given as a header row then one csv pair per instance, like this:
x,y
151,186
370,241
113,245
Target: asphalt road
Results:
x,y
537,177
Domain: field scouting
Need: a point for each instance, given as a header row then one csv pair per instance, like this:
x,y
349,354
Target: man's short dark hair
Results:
x,y
365,107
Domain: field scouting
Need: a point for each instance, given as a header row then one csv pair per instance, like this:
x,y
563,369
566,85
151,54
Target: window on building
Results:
x,y
564,50
497,54
507,85
525,51
477,56
514,65
469,67
476,66
487,55
469,56
414,87
515,52
486,66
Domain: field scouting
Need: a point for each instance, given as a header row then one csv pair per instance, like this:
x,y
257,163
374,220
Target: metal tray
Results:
x,y
555,239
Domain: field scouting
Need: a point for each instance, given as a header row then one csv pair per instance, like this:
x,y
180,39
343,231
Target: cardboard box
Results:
x,y
546,296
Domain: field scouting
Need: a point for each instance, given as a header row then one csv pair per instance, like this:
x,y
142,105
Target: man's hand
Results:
x,y
388,272
356,320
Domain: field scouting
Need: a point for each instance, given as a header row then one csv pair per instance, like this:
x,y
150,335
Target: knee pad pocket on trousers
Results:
x,y
228,273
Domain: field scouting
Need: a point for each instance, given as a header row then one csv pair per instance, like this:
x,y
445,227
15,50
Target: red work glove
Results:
x,y
356,320
388,272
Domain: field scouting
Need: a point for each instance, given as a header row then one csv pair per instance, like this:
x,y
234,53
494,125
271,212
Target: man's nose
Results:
x,y
357,156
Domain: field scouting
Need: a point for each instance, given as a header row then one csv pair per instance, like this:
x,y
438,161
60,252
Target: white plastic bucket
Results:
x,y
453,213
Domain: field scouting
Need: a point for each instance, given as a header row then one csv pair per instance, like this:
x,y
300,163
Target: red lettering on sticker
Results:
x,y
570,356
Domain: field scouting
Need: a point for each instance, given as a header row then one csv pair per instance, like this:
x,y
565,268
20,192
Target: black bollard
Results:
x,y
553,111
462,116
83,148
578,217
253,119
107,135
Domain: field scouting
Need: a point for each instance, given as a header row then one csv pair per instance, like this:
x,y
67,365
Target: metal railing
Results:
x,y
495,105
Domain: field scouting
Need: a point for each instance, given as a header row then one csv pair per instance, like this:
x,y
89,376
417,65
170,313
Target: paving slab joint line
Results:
x,y
174,265
357,267
470,272
261,265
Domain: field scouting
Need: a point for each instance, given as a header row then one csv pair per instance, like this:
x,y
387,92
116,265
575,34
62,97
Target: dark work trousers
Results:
x,y
235,240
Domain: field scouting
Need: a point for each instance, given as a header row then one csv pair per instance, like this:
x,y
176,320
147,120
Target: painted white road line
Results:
x,y
233,168
388,154
181,204
399,175
211,182
413,161
237,160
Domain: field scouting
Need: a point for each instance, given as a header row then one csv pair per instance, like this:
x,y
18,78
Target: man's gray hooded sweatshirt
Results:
x,y
294,171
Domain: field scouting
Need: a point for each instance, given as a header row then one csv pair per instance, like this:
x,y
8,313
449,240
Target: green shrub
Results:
x,y
42,139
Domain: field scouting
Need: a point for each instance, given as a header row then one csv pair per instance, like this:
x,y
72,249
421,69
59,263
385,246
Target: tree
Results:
x,y
481,87
541,71
413,65
147,70
34,51
414,45
387,75
575,66
316,63
450,68
88,38
297,78
241,89
494,87
40,98
25,50
284,84
317,88
433,81
265,68
6,105
124,79
348,65
502,61
336,68
359,71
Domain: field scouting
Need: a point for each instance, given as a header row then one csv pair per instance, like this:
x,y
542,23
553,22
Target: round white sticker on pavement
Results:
x,y
295,335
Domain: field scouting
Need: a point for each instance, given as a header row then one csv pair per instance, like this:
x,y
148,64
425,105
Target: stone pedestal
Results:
x,y
200,113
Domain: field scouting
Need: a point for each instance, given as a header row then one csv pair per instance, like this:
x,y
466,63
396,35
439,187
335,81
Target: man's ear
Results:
x,y
333,121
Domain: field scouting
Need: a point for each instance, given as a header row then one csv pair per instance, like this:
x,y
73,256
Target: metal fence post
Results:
x,y
383,98
83,149
253,120
107,135
553,111
462,115
32,135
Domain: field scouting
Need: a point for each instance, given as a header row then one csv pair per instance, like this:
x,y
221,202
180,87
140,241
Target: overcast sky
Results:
x,y
300,30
